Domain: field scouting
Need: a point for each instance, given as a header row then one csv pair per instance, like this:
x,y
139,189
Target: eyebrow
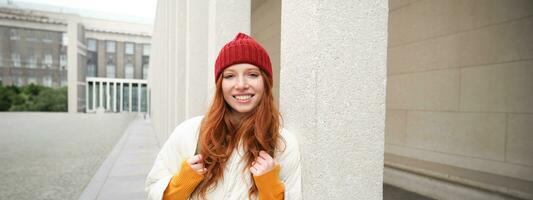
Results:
x,y
246,70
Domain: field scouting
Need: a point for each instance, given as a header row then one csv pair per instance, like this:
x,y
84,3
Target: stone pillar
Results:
x,y
226,19
72,64
332,94
188,35
196,58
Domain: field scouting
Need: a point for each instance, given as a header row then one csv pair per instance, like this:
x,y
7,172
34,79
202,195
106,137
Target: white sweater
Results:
x,y
234,184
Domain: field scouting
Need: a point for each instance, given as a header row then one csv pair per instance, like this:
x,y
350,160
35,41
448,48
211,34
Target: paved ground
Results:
x,y
54,155
123,173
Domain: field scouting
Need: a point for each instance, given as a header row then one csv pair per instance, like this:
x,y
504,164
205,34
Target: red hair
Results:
x,y
220,135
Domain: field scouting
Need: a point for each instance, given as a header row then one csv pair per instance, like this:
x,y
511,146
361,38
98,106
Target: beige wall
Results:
x,y
266,29
460,84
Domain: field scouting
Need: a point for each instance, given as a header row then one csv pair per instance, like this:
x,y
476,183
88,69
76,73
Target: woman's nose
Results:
x,y
242,83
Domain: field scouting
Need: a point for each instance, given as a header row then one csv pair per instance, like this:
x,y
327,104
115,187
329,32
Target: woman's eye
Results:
x,y
226,76
254,75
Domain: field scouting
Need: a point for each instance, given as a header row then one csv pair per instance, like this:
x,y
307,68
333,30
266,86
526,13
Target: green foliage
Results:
x,y
33,98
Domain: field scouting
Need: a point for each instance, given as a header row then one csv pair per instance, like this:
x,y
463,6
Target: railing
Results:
x,y
107,95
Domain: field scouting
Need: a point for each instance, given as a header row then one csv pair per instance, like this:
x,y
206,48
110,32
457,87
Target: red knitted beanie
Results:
x,y
243,49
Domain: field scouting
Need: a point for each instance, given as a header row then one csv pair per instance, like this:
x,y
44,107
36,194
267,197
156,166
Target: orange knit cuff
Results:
x,y
183,183
269,185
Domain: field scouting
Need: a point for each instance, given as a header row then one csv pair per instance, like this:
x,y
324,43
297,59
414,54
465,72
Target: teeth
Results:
x,y
243,97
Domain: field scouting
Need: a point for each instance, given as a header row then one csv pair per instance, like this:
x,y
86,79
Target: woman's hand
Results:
x,y
197,164
262,164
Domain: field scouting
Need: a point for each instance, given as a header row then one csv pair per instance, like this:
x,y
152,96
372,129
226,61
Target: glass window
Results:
x,y
110,46
15,57
91,70
130,48
14,34
91,44
62,61
47,80
110,71
16,80
129,71
145,71
64,39
146,50
32,61
63,81
47,61
47,38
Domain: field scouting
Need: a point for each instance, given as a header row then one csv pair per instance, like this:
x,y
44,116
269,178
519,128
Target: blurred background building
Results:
x,y
108,60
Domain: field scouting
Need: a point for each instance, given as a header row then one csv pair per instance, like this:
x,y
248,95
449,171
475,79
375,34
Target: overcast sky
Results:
x,y
130,10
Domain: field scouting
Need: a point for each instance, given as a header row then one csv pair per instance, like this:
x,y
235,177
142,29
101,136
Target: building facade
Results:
x,y
61,49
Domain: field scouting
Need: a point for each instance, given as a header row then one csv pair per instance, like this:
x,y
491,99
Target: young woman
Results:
x,y
239,150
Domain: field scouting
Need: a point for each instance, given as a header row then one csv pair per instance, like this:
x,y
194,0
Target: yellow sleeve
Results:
x,y
182,184
269,186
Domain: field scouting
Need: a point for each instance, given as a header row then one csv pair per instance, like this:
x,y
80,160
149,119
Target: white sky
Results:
x,y
130,10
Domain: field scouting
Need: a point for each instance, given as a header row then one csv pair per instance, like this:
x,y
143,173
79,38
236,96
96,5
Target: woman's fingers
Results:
x,y
195,159
262,164
197,164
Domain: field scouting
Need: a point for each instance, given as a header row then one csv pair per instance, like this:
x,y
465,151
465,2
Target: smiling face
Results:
x,y
242,87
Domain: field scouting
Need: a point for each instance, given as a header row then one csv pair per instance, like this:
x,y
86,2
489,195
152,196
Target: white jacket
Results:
x,y
234,184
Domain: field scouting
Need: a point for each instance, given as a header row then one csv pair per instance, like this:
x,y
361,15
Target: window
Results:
x,y
145,71
130,48
32,61
110,46
63,81
47,80
16,80
47,63
110,71
91,70
62,62
146,50
64,39
15,57
14,34
129,71
47,38
91,44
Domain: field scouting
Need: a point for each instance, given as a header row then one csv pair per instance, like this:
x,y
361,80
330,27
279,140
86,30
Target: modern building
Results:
x,y
58,49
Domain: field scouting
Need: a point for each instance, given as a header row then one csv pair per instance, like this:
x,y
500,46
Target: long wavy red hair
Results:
x,y
220,135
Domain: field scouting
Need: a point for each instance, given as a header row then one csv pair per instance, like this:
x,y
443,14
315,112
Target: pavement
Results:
x,y
54,155
123,173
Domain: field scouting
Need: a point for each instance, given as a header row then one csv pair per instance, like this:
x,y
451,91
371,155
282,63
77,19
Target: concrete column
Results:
x,y
332,94
129,96
187,37
86,96
121,96
115,97
107,96
196,59
226,19
139,98
94,96
72,64
101,94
